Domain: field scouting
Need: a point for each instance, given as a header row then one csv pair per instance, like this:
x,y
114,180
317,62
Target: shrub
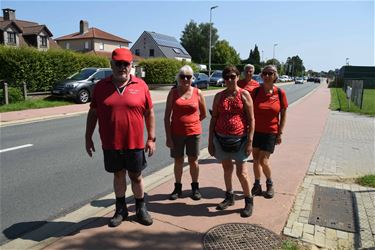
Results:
x,y
163,70
14,95
40,69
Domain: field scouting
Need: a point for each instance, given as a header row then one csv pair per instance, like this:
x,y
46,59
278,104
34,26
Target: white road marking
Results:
x,y
15,148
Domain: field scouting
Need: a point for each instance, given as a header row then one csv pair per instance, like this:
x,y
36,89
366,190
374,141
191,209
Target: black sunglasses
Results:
x,y
227,77
121,64
185,77
268,73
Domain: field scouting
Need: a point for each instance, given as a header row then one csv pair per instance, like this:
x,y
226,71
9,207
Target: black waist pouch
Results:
x,y
230,145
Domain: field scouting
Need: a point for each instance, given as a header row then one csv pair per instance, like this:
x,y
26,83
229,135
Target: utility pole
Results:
x,y
209,49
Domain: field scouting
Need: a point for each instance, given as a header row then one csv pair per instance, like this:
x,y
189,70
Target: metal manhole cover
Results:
x,y
240,236
333,208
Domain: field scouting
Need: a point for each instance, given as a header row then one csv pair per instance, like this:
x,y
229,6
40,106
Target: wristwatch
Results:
x,y
153,139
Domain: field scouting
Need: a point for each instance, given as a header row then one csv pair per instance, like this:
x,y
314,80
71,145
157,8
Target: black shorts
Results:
x,y
133,160
264,141
191,143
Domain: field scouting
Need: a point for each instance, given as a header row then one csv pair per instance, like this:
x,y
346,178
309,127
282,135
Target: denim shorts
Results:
x,y
133,160
221,155
190,142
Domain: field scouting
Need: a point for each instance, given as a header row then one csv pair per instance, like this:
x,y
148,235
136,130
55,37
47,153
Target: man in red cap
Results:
x,y
120,104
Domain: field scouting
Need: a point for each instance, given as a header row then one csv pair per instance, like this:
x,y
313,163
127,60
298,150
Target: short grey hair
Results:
x,y
273,68
248,66
183,70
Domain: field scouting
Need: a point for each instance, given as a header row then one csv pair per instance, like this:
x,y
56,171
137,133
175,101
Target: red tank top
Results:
x,y
232,117
185,114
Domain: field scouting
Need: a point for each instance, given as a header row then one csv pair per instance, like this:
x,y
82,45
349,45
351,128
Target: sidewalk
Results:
x,y
182,224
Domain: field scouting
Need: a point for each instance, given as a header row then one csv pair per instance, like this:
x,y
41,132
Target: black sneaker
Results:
x,y
248,210
256,190
177,192
195,194
270,192
118,217
228,201
142,215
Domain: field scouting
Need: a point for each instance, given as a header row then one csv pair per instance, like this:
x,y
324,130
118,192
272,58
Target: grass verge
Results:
x,y
34,104
340,102
367,180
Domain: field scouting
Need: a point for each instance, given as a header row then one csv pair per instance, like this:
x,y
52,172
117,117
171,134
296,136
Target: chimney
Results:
x,y
9,14
83,27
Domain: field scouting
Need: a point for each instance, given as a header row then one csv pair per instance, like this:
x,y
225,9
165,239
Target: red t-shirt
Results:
x,y
249,86
121,117
185,114
232,118
267,109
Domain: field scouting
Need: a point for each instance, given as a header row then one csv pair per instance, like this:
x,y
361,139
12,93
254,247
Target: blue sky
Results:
x,y
323,34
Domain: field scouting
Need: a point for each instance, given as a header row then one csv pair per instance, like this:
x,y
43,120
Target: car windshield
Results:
x,y
83,74
217,74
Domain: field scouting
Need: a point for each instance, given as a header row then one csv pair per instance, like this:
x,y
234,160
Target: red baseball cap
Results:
x,y
122,54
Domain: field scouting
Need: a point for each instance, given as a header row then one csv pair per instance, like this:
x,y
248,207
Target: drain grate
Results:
x,y
240,236
333,208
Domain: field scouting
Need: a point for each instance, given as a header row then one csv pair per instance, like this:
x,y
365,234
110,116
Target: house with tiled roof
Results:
x,y
92,40
152,44
16,33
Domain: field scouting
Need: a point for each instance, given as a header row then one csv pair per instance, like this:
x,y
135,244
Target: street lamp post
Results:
x,y
347,61
273,57
209,49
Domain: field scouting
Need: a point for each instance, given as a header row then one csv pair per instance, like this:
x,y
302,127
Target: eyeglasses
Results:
x,y
121,64
232,77
185,77
268,73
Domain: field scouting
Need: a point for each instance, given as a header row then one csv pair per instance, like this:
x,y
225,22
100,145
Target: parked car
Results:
x,y
216,78
79,86
200,81
258,78
298,80
311,79
317,80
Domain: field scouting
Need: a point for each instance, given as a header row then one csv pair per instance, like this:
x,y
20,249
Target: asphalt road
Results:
x,y
52,175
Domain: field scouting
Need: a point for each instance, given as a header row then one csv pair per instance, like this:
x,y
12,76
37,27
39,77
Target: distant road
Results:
x,y
47,172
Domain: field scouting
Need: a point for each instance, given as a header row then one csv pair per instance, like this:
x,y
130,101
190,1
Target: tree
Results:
x,y
254,57
294,66
274,62
223,53
195,39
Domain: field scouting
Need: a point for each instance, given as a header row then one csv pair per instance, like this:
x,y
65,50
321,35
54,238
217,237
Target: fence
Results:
x,y
356,91
5,86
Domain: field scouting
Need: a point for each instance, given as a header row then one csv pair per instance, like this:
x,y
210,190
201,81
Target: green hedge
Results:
x,y
14,95
41,69
163,70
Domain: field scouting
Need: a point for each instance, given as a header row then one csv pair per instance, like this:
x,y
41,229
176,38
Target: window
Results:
x,y
67,45
137,52
43,41
152,52
12,37
98,76
86,44
108,73
101,46
177,50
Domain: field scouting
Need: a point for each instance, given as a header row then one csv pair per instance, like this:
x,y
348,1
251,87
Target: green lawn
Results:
x,y
367,180
340,102
34,104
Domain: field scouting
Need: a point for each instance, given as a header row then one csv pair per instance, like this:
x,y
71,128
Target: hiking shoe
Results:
x,y
118,217
177,192
228,201
195,194
256,190
270,192
142,215
248,210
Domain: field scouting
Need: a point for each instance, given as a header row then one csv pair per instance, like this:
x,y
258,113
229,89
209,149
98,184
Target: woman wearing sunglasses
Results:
x,y
270,104
185,109
230,136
